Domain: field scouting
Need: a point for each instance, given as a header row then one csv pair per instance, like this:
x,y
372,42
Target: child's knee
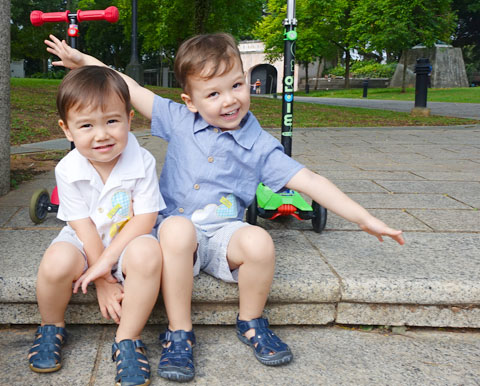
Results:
x,y
143,255
61,261
257,245
177,234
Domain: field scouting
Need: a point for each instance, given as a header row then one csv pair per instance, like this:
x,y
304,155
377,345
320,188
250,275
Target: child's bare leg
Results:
x,y
178,241
61,265
142,266
251,250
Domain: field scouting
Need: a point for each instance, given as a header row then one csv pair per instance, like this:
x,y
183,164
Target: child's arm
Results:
x,y
138,225
109,292
142,98
329,196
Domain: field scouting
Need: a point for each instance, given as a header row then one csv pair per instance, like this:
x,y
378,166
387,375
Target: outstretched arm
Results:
x,y
329,196
142,98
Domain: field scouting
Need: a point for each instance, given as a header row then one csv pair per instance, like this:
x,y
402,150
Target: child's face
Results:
x,y
100,136
222,101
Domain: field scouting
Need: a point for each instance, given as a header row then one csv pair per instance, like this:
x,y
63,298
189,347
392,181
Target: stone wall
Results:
x,y
448,68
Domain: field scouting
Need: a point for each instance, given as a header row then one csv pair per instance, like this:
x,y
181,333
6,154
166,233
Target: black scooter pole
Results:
x,y
290,38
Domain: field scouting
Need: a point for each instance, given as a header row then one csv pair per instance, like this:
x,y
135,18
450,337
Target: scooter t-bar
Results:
x,y
38,17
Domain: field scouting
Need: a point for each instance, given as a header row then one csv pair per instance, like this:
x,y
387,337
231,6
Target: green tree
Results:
x,y
310,45
27,40
467,33
163,25
396,26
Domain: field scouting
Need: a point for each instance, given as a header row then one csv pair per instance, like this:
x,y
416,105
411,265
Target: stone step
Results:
x,y
337,276
424,181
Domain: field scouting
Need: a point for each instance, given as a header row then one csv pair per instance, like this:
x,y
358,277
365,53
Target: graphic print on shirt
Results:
x,y
121,211
214,213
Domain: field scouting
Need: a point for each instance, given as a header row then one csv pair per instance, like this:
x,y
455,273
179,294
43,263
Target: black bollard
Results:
x,y
365,87
422,69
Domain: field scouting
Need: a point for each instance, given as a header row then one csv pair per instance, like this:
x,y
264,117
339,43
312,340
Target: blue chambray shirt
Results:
x,y
211,176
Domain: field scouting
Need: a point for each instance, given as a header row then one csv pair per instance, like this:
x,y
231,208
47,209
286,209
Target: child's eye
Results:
x,y
213,94
237,85
110,121
86,126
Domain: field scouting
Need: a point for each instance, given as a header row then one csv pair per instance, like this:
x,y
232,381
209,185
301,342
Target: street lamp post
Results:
x,y
134,68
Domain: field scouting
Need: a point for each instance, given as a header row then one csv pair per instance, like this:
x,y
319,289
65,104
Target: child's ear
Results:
x,y
189,103
65,129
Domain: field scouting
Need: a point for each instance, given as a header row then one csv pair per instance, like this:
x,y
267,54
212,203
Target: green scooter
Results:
x,y
268,204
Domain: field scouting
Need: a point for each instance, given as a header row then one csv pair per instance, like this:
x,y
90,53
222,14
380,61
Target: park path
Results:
x,y
460,110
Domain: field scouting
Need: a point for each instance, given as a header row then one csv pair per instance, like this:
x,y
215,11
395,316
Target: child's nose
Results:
x,y
230,99
101,133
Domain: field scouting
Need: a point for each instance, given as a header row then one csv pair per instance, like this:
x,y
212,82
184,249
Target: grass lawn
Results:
x,y
455,95
34,116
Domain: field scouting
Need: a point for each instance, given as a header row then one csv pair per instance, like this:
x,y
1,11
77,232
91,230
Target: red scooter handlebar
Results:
x,y
110,14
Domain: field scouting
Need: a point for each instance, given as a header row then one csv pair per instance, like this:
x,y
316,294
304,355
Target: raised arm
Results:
x,y
329,196
142,98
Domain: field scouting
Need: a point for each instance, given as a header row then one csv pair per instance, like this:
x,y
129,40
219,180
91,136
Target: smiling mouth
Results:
x,y
104,147
231,115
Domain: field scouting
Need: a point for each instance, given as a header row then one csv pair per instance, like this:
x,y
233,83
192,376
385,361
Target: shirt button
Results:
x,y
215,130
181,210
100,210
103,236
210,159
196,186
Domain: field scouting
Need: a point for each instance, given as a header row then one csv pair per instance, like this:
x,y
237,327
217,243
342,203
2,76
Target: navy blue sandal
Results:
x,y
176,362
267,347
132,366
46,352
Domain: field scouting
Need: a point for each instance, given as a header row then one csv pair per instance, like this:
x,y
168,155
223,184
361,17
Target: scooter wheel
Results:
x,y
319,219
252,212
38,206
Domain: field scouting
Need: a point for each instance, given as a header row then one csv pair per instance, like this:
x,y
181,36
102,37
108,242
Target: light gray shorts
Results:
x,y
211,254
68,235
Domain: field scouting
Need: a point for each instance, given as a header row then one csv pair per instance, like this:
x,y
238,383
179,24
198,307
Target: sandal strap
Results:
x,y
179,354
47,344
264,341
245,325
178,336
130,369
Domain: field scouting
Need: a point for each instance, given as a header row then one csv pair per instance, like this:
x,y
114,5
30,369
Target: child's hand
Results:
x,y
110,298
378,229
102,268
69,57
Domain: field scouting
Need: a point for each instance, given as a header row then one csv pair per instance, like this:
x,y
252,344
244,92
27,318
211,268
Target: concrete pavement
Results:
x,y
425,181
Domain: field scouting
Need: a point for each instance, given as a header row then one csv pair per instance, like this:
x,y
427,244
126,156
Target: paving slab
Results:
x,y
449,220
322,356
430,269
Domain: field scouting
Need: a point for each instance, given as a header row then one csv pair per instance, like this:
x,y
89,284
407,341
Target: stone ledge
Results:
x,y
409,315
202,313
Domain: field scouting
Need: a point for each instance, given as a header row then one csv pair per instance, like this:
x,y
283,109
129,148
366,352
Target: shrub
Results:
x,y
367,69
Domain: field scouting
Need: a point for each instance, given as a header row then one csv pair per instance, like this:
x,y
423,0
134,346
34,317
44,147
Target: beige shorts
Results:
x,y
211,254
68,235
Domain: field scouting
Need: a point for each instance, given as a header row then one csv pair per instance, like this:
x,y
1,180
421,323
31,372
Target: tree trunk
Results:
x,y
347,68
320,68
4,97
404,73
307,86
201,15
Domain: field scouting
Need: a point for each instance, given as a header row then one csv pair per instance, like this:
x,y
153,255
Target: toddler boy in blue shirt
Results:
x,y
217,155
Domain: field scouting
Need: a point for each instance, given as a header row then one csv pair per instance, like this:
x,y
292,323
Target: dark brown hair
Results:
x,y
90,86
218,50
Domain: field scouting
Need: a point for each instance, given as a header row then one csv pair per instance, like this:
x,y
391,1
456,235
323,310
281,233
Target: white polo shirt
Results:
x,y
132,187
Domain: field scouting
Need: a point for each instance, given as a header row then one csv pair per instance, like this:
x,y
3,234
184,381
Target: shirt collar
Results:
x,y
245,136
129,165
